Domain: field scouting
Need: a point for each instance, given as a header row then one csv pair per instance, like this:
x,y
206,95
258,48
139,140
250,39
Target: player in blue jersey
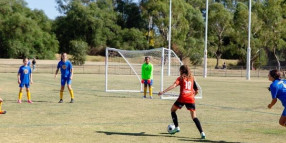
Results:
x,y
66,76
278,90
24,79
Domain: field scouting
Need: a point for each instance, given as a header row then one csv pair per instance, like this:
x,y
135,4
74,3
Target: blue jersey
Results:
x,y
25,72
278,90
66,68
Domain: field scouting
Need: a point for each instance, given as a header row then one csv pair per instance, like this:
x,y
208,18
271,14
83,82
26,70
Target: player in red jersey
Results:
x,y
188,91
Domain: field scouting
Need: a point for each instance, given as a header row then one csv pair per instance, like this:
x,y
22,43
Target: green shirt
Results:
x,y
147,71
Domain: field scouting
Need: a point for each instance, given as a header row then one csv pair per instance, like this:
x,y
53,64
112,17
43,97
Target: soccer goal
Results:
x,y
123,71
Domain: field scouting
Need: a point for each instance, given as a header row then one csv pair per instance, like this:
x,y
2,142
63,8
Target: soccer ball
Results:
x,y
170,128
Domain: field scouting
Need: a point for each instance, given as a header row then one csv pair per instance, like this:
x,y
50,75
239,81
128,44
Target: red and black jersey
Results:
x,y
187,89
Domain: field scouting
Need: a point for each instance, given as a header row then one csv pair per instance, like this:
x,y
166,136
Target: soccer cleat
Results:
x,y
203,135
2,112
30,101
19,101
151,97
61,101
144,96
176,130
71,101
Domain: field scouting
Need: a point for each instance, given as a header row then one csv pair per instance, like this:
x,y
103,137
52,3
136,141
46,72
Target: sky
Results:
x,y
48,6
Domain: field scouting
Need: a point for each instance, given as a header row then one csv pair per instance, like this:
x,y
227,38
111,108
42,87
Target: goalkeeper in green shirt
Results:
x,y
147,76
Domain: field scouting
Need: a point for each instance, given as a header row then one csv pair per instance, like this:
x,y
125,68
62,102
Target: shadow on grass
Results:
x,y
205,140
142,134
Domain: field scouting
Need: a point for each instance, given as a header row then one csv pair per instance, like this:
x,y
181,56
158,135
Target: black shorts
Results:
x,y
189,106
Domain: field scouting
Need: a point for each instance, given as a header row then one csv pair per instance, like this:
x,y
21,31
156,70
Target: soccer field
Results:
x,y
232,110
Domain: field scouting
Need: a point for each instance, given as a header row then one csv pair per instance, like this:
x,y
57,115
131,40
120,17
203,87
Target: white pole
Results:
x,y
248,48
106,67
206,41
162,70
169,38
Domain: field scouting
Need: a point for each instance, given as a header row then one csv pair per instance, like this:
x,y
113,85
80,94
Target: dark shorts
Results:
x,y
189,106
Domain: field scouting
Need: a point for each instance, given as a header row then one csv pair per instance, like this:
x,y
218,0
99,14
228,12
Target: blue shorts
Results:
x,y
284,112
146,82
65,80
27,85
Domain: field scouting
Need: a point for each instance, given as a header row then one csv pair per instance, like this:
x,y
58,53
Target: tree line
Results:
x,y
88,26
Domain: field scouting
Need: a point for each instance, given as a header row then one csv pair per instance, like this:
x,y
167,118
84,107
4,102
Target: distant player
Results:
x,y
24,79
147,76
34,63
66,76
278,90
1,111
188,90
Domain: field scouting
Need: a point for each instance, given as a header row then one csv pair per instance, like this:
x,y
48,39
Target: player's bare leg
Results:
x,y
282,121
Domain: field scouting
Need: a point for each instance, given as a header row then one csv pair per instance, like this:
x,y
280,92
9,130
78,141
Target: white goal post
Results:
x,y
123,71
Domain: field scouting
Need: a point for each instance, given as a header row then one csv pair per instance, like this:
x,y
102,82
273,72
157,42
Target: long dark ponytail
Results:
x,y
275,74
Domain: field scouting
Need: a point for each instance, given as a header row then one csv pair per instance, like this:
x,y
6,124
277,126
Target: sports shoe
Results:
x,y
61,101
144,96
30,101
151,97
71,101
203,135
176,130
2,112
19,101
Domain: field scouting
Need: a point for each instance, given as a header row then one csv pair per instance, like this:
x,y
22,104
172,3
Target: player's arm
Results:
x,y
274,92
18,77
142,73
31,77
71,73
168,89
195,87
57,70
273,102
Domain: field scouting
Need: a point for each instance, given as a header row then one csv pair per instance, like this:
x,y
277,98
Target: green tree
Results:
x,y
78,51
271,12
187,26
220,27
25,33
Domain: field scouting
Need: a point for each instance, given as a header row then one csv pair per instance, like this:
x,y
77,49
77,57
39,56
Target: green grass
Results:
x,y
232,110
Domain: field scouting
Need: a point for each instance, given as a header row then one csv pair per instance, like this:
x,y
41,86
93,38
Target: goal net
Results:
x,y
123,71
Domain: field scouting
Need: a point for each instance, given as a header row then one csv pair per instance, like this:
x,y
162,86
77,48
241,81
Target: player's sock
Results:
x,y
71,94
29,95
150,91
175,119
145,91
61,95
0,106
198,124
20,95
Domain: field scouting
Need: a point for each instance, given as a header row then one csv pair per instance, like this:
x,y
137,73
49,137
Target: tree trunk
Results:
x,y
277,59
